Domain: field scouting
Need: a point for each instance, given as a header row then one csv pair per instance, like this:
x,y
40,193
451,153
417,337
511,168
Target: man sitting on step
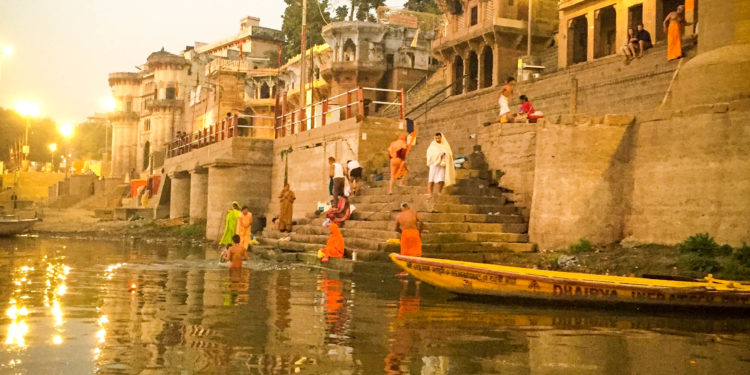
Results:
x,y
440,161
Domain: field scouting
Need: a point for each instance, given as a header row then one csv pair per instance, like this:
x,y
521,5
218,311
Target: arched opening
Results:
x,y
577,40
265,91
472,80
458,74
242,127
146,155
487,67
410,59
604,35
350,51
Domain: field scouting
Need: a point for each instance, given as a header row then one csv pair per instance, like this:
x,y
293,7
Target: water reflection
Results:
x,y
141,309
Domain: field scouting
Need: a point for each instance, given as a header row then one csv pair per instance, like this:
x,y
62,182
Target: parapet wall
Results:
x,y
658,177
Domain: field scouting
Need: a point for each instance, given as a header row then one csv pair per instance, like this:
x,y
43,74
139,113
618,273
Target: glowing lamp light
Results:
x,y
66,129
6,51
109,104
27,109
53,147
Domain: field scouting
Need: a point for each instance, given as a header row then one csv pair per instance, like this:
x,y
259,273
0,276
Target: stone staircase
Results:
x,y
471,220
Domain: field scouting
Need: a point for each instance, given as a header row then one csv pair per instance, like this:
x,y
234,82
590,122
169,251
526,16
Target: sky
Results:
x,y
63,50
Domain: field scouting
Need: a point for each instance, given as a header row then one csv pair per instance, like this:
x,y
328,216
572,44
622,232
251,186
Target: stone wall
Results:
x,y
365,141
659,178
580,181
31,185
691,173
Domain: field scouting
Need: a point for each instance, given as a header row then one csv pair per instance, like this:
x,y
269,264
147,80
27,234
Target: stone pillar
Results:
x,y
179,195
228,183
496,61
590,47
198,195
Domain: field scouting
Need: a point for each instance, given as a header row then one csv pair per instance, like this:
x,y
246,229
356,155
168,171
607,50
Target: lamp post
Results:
x,y
52,149
27,110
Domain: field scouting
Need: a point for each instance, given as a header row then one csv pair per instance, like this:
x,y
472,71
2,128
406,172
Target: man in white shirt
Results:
x,y
336,172
353,173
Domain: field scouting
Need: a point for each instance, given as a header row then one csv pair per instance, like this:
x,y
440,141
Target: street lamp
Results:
x,y
66,129
27,110
52,149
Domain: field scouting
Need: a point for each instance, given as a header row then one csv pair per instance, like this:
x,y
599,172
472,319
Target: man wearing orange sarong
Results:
x,y
334,246
397,155
244,227
674,25
409,223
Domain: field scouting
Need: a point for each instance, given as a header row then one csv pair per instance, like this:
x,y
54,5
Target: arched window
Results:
x,y
265,91
472,79
486,67
350,51
458,73
146,155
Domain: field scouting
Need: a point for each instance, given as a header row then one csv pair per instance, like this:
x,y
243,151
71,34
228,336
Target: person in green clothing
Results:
x,y
230,226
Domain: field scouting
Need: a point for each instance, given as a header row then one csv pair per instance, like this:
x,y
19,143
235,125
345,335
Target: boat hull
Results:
x,y
485,279
13,227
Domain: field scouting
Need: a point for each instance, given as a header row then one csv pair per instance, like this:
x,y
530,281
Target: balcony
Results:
x,y
152,104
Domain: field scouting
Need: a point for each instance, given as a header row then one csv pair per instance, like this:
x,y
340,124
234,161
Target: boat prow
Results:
x,y
504,281
12,227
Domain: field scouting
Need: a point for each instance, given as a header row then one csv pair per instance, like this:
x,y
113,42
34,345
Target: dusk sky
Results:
x,y
63,50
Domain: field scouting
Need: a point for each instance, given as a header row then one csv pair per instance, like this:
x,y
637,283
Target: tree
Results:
x,y
364,9
317,16
427,6
341,13
42,132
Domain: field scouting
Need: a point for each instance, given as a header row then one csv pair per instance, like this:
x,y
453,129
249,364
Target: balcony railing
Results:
x,y
340,107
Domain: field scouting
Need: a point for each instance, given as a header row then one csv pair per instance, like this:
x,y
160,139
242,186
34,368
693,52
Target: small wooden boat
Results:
x,y
11,227
504,281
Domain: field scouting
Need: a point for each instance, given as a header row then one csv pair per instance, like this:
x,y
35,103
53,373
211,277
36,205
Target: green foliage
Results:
x,y
341,13
499,174
701,244
582,246
317,16
742,255
698,262
427,6
734,271
190,231
42,132
87,141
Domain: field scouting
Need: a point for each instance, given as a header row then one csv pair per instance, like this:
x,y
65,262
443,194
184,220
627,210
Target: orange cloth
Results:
x,y
244,225
411,243
335,245
396,170
674,41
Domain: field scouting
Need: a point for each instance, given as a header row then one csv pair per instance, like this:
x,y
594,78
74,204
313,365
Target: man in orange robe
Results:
x,y
674,25
334,246
409,223
244,227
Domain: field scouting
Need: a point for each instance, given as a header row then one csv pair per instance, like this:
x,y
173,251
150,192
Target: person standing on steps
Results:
x,y
353,173
244,225
336,173
674,26
286,207
504,101
409,224
397,156
440,162
230,225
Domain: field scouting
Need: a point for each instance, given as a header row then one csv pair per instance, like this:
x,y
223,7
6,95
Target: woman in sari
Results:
x,y
334,245
244,227
341,212
286,202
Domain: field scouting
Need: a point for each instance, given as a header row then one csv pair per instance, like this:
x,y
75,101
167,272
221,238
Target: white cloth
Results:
x,y
440,154
352,164
338,170
437,174
504,107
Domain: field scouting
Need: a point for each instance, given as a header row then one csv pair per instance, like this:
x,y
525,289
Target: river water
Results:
x,y
84,307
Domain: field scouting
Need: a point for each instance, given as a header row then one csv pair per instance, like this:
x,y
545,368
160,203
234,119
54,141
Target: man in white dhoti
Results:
x,y
440,162
505,93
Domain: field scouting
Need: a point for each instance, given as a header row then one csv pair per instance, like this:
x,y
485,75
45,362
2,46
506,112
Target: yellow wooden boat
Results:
x,y
495,280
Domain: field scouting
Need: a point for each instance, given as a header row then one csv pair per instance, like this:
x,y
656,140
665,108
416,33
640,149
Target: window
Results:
x,y
147,125
129,106
474,15
171,93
